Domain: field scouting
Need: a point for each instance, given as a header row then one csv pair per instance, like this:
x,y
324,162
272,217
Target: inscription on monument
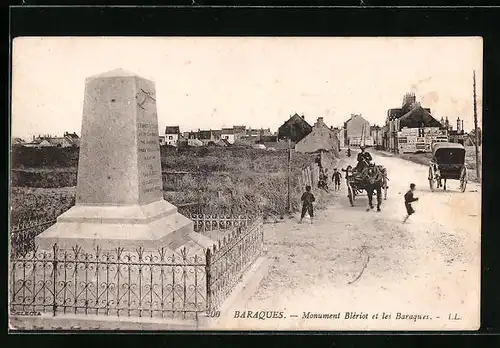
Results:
x,y
148,157
150,187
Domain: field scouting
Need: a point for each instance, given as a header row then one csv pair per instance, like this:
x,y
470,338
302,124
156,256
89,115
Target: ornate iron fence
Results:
x,y
228,260
217,227
140,283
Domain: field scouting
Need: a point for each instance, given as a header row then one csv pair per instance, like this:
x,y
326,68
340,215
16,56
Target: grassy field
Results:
x,y
470,160
220,180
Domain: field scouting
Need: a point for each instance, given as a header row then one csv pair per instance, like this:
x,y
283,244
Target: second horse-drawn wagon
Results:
x,y
448,162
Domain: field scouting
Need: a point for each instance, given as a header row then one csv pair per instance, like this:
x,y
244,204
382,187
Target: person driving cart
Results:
x,y
364,159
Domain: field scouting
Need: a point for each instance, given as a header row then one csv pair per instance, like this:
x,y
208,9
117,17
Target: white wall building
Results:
x,y
228,134
172,135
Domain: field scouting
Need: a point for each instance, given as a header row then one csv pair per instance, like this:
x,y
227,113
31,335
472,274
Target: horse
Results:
x,y
376,179
437,177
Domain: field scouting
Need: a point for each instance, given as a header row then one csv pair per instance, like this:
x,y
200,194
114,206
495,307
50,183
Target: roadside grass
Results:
x,y
225,181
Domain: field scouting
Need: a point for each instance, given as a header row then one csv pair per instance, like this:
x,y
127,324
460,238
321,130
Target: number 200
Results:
x,y
213,314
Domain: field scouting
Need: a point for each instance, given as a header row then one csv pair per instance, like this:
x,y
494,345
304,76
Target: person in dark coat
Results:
x,y
323,179
409,198
336,178
364,158
307,204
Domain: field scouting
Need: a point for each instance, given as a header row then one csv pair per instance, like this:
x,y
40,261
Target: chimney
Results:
x,y
303,117
33,137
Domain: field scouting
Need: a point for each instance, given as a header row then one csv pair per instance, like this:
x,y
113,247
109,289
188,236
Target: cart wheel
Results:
x,y
350,194
431,178
463,180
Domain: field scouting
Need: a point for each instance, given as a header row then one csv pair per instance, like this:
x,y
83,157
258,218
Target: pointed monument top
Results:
x,y
116,73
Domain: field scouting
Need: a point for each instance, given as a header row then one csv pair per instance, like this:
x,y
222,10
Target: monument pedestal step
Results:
x,y
151,226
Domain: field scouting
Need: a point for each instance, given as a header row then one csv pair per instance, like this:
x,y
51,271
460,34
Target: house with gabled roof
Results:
x,y
410,115
72,138
18,141
172,135
321,138
295,128
209,136
60,142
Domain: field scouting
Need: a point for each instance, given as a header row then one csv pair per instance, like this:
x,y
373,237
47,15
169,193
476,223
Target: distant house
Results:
x,y
228,134
268,139
60,142
191,135
295,129
376,135
257,133
73,138
18,141
418,117
320,138
44,143
356,130
172,135
239,131
410,115
208,136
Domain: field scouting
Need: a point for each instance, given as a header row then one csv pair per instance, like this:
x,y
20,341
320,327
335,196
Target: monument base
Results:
x,y
151,226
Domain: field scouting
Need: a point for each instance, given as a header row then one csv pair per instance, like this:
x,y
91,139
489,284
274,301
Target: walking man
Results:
x,y
336,178
408,200
307,204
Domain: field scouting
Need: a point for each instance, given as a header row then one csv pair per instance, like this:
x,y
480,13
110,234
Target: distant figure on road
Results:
x,y
364,159
307,204
323,180
318,161
348,172
408,200
348,152
336,178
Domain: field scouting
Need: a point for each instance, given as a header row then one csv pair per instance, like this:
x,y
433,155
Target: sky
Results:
x,y
214,82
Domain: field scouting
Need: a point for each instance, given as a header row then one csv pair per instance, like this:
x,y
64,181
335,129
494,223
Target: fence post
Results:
x,y
208,276
54,272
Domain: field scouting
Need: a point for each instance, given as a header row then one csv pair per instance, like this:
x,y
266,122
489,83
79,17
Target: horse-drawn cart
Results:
x,y
371,178
448,162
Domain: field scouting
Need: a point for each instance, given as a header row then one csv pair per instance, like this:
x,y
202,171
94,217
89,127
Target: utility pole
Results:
x,y
476,135
288,201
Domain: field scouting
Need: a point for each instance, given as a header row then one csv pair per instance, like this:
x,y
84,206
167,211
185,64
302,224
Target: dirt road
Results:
x,y
351,260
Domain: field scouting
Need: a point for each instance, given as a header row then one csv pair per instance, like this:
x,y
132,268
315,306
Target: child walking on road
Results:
x,y
408,200
307,204
336,178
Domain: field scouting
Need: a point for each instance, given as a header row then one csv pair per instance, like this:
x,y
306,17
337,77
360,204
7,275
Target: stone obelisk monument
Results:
x,y
119,195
